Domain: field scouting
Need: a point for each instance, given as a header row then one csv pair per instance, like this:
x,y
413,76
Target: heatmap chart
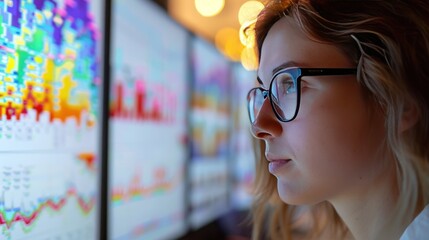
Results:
x,y
49,90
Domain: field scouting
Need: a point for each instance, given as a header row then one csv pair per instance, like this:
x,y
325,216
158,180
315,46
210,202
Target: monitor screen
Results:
x,y
147,146
210,124
50,77
242,153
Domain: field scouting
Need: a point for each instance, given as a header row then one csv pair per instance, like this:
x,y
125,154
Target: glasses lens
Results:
x,y
284,96
255,99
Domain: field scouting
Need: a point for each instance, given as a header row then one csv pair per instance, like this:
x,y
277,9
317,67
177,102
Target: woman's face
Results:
x,y
331,150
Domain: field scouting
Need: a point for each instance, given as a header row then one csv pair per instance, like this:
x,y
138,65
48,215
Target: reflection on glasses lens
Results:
x,y
284,96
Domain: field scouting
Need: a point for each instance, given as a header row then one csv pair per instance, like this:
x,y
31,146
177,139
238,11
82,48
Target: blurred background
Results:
x,y
126,119
220,22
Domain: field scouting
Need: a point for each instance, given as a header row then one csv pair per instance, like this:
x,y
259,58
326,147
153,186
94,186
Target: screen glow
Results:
x,y
49,118
147,123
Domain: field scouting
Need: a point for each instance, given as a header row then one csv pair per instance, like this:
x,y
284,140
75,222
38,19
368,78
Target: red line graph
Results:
x,y
85,206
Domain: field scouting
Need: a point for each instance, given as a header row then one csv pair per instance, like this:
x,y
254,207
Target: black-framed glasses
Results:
x,y
285,91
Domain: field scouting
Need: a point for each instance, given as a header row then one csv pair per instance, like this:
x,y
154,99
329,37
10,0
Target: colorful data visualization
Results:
x,y
147,145
210,125
210,102
242,152
49,114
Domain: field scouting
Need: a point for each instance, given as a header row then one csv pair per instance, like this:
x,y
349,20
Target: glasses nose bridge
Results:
x,y
266,102
265,124
265,93
266,106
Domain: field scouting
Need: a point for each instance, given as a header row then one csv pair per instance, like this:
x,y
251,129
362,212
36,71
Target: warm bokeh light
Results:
x,y
249,11
246,34
209,8
228,42
249,59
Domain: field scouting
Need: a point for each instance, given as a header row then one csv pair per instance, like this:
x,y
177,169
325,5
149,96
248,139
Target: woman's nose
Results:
x,y
266,124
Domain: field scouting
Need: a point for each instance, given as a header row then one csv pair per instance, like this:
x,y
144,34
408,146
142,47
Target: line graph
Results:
x,y
137,190
35,201
8,217
147,180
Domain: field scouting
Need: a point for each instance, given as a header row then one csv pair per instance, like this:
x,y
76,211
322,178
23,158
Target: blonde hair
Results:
x,y
389,41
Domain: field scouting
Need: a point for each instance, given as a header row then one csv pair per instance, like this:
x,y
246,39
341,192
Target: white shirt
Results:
x,y
419,227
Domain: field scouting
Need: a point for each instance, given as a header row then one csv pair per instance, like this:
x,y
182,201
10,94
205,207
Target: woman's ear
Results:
x,y
409,117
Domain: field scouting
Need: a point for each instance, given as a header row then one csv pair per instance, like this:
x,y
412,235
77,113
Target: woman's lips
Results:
x,y
275,165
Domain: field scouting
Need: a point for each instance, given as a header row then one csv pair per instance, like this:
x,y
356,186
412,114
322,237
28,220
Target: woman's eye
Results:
x,y
287,86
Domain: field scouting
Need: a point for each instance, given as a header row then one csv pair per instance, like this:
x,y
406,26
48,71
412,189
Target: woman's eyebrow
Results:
x,y
259,80
287,64
282,66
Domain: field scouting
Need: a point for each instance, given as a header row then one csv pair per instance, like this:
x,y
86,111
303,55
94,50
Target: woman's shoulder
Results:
x,y
419,227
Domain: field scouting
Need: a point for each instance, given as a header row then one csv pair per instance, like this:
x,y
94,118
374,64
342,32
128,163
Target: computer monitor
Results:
x,y
242,152
147,145
50,78
210,126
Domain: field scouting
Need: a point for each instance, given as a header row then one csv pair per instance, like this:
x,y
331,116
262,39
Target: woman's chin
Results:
x,y
293,195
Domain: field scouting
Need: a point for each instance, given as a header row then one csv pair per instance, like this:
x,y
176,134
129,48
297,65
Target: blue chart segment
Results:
x,y
49,90
147,123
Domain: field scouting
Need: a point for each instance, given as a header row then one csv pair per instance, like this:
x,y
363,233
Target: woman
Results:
x,y
343,114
